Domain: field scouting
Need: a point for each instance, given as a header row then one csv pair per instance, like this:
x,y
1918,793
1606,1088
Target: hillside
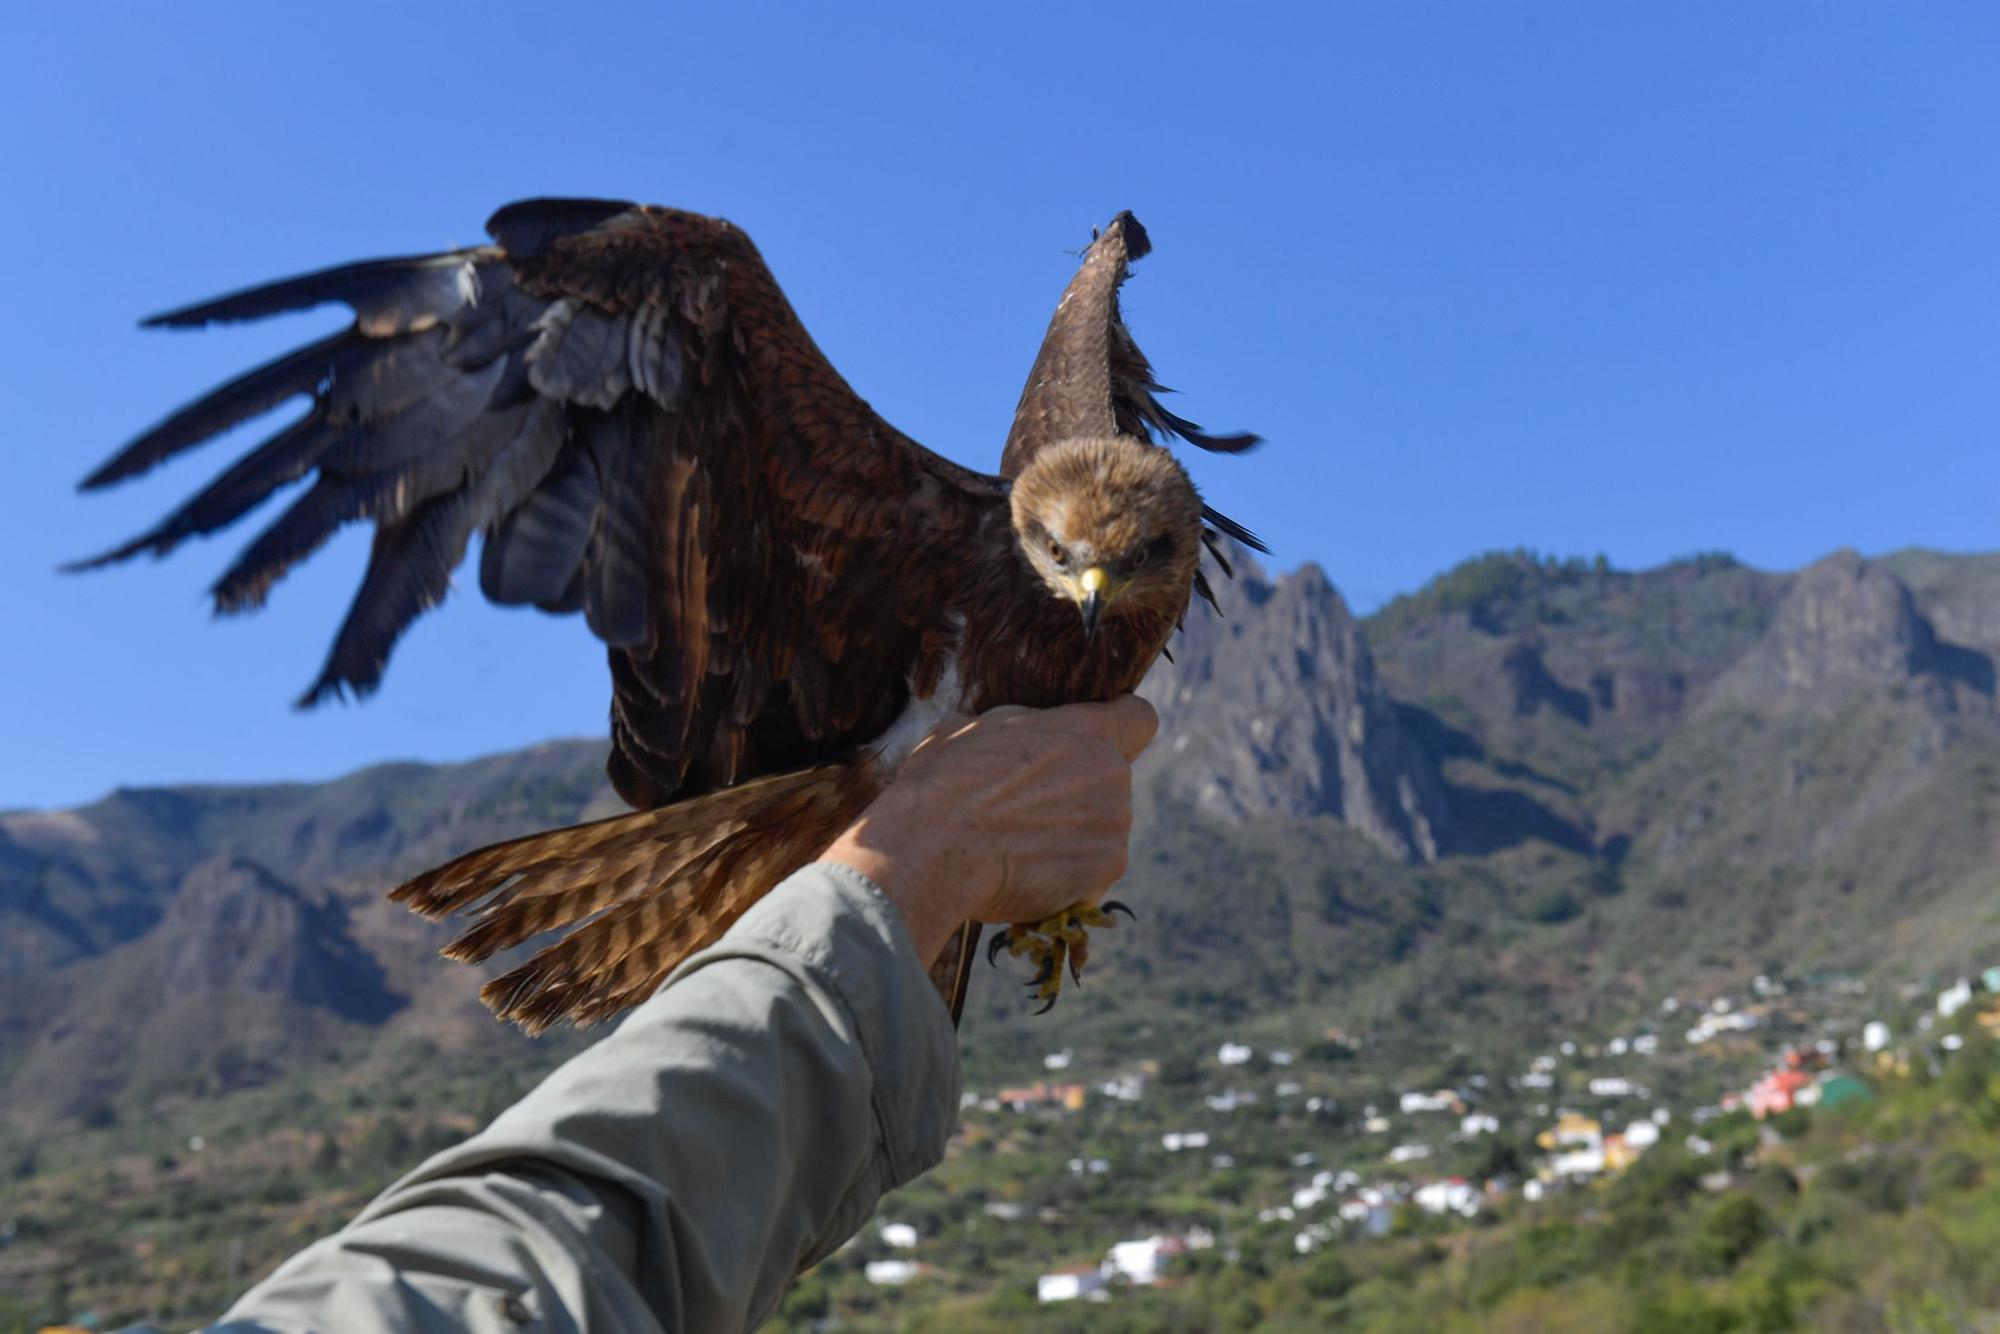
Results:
x,y
1534,794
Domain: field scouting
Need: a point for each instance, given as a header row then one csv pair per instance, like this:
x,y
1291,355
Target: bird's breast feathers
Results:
x,y
919,717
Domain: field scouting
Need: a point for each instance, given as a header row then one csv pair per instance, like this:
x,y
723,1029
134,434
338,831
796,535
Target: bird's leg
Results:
x,y
1052,942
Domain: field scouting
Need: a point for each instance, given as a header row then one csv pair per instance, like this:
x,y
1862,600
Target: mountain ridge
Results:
x,y
1647,776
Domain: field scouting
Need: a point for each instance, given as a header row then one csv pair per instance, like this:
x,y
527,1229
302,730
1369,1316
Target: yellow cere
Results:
x,y
1092,580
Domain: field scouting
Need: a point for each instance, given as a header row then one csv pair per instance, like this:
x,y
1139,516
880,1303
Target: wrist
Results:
x,y
919,867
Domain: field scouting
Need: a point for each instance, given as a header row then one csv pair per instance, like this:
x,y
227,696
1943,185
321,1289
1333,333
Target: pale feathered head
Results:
x,y
1105,518
1112,525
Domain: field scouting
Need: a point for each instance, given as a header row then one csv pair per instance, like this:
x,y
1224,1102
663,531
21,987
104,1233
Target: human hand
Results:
x,y
1007,817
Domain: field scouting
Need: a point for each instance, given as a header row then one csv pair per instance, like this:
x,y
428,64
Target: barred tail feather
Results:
x,y
656,886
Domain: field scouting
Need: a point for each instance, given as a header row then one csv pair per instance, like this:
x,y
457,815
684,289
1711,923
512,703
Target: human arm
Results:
x,y
746,1119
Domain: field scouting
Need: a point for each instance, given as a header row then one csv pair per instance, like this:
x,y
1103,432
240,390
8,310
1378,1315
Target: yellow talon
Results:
x,y
1063,938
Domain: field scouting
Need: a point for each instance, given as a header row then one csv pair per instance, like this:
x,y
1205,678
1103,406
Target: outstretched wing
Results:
x,y
1090,378
623,402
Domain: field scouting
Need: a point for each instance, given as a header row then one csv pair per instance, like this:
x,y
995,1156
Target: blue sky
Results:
x,y
1635,279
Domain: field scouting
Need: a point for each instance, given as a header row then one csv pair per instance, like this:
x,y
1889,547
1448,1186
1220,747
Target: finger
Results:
x,y
1134,724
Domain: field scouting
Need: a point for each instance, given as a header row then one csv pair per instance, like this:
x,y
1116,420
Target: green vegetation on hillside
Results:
x,y
1481,586
1878,1214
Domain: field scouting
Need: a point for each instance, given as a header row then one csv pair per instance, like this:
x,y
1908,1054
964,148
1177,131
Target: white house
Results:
x,y
1642,1135
1586,1161
1456,1196
1233,1053
1142,1262
1409,1153
1441,1101
899,1235
1612,1086
1057,1060
1314,1237
1176,1140
1479,1123
1371,1218
892,1273
1070,1284
1125,1088
1953,999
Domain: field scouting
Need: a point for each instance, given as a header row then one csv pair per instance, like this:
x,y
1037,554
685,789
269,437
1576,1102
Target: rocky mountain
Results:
x,y
1532,786
1273,707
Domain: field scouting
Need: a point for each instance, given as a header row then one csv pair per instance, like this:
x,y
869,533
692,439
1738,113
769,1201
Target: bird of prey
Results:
x,y
622,402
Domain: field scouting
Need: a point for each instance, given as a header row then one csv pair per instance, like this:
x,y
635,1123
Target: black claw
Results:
x,y
1075,971
1044,973
1113,905
1050,1004
993,948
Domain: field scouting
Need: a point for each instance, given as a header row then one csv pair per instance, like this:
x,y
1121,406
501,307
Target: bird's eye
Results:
x,y
1057,554
1137,558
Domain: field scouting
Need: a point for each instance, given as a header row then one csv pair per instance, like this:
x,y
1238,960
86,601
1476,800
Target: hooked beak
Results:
x,y
1092,605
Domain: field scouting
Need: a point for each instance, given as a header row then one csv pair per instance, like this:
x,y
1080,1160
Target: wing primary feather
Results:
x,y
246,484
1201,586
297,533
1236,442
408,573
1214,545
1234,529
250,395
387,296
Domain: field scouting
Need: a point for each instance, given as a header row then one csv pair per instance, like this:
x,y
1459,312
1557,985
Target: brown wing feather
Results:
x,y
624,403
1090,380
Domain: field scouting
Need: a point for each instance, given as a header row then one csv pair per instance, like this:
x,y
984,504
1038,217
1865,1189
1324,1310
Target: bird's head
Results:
x,y
1111,525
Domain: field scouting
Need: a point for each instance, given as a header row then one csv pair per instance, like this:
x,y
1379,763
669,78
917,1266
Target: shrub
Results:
x,y
1731,1230
1329,1278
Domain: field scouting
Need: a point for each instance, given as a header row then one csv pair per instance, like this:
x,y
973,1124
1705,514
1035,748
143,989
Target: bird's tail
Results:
x,y
655,886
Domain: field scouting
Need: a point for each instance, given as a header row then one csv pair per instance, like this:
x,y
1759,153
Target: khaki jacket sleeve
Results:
x,y
739,1126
